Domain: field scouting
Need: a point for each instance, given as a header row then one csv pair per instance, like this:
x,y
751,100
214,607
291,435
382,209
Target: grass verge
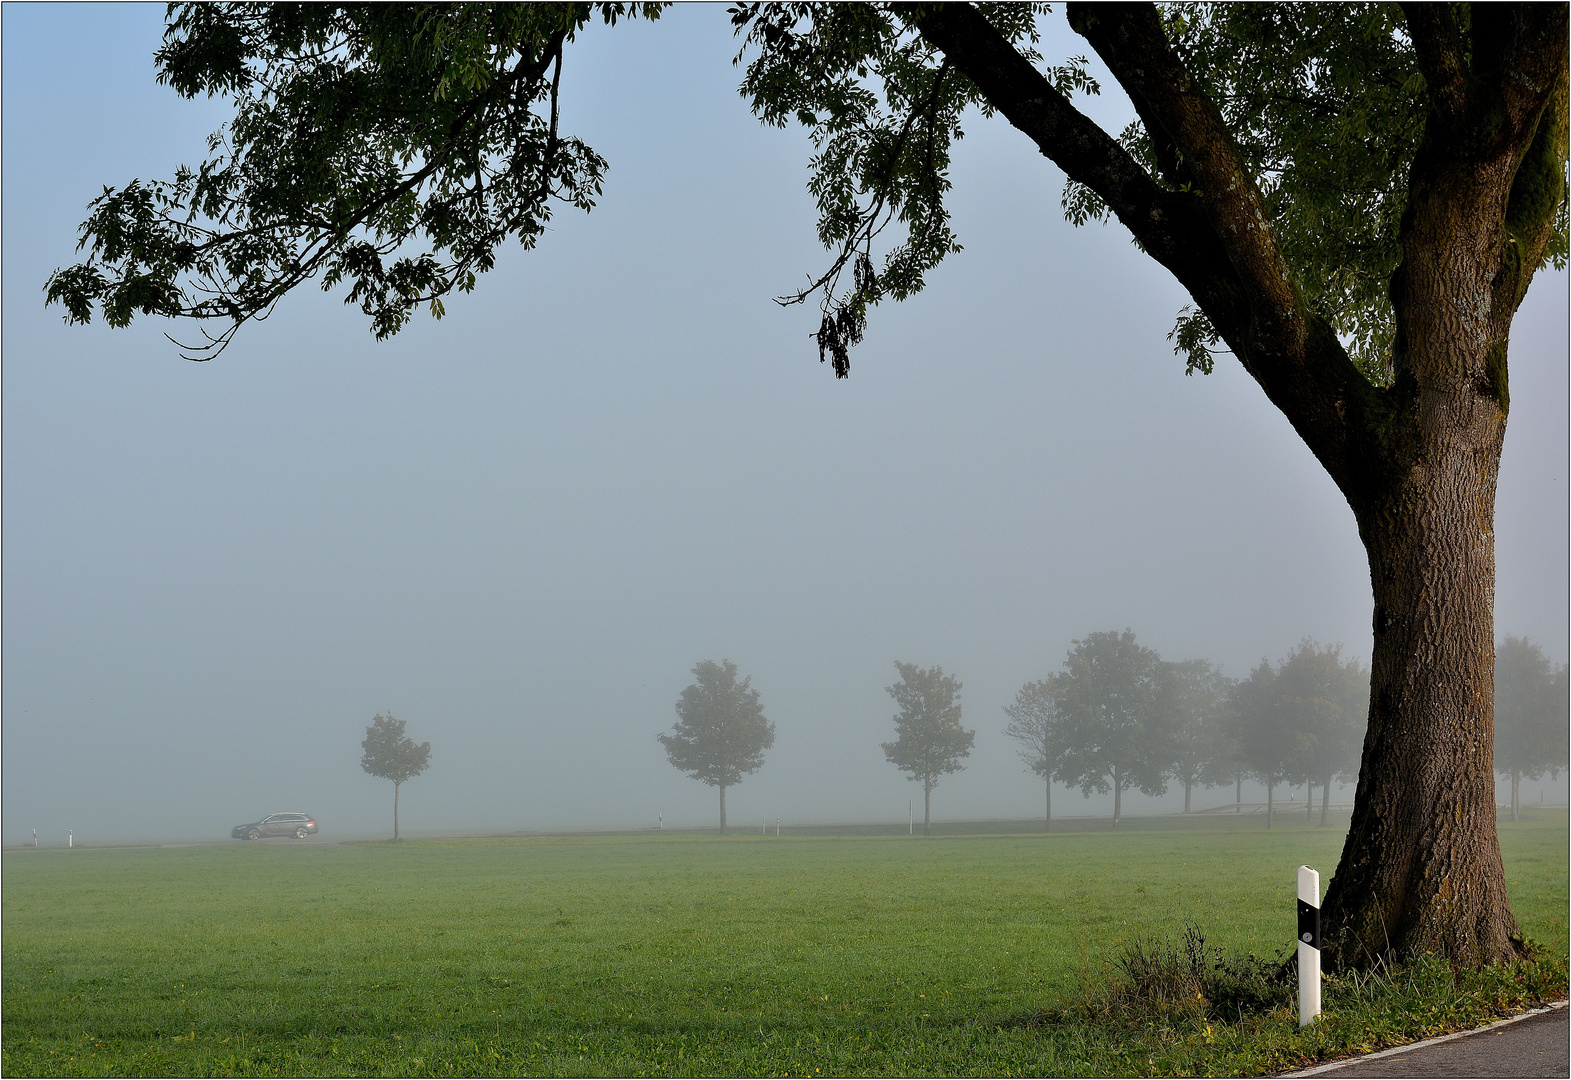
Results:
x,y
1173,1007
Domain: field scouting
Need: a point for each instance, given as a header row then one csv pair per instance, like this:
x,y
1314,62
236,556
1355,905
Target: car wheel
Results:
x,y
301,832
254,834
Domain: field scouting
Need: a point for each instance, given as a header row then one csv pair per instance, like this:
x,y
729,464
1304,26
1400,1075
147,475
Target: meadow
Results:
x,y
670,953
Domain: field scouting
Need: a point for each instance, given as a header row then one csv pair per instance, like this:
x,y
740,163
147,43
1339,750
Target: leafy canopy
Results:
x,y
721,733
391,149
929,739
389,754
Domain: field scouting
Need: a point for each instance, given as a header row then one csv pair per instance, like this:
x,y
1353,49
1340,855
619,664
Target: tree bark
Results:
x,y
1422,868
1238,794
396,786
722,809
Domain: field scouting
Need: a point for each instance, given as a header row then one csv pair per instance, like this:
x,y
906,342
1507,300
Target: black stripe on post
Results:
x,y
1309,924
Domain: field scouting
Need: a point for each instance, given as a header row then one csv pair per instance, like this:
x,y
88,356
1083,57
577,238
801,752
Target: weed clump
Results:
x,y
1167,975
1171,979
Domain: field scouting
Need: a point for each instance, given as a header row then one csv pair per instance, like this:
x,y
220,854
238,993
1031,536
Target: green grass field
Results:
x,y
673,953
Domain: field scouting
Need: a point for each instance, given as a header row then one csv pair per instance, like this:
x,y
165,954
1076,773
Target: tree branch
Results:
x,y
1130,39
1437,41
1218,244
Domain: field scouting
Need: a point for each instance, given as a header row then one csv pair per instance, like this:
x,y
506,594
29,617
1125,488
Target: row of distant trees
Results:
x,y
1115,716
1118,716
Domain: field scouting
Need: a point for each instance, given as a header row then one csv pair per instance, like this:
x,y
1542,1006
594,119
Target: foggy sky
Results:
x,y
519,528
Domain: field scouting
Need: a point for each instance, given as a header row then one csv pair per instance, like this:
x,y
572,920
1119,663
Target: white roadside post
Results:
x,y
1308,945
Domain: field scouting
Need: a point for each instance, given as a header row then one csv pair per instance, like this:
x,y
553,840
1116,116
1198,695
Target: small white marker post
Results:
x,y
777,824
1308,945
70,838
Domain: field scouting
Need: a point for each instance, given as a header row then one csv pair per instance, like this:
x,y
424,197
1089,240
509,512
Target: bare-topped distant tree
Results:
x,y
391,755
929,740
1033,723
721,733
1196,700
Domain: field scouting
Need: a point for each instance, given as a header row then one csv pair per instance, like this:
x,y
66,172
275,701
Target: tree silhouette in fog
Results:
x,y
929,740
721,733
389,754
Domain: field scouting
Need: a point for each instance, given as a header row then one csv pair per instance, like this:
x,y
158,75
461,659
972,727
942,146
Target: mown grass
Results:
x,y
689,954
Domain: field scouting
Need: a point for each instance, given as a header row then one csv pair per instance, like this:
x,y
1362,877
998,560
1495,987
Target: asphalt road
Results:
x,y
1535,1046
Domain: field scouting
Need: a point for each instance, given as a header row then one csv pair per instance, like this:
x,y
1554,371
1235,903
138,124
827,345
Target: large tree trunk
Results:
x,y
722,809
1421,869
1418,458
395,809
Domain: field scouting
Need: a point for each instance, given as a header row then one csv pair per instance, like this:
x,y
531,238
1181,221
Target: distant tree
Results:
x,y
1228,764
1268,747
1033,723
388,754
1111,707
929,740
1531,727
1196,699
1322,701
721,733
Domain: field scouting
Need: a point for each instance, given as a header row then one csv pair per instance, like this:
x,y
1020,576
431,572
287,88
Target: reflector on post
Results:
x,y
1308,945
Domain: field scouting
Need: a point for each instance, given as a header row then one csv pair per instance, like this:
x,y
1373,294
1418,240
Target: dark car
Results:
x,y
301,825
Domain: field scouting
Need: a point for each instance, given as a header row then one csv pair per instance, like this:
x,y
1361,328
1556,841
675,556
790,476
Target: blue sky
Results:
x,y
520,527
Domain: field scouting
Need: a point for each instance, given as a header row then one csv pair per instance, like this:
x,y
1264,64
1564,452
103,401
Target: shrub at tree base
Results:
x,y
1170,1006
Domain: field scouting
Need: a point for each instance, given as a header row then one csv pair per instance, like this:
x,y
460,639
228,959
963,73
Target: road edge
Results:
x,y
1339,1063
